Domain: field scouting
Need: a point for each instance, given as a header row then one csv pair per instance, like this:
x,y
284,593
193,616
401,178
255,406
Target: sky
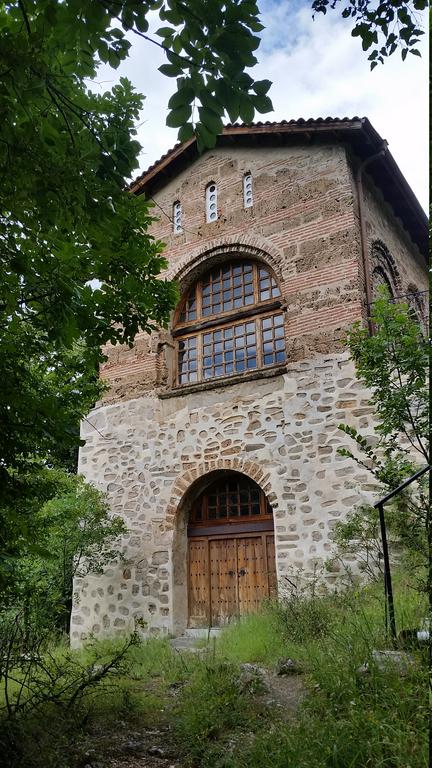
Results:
x,y
317,70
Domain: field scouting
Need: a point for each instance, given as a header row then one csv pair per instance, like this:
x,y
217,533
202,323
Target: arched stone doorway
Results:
x,y
224,552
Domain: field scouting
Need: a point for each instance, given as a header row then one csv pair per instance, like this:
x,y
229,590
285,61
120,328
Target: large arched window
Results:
x,y
229,322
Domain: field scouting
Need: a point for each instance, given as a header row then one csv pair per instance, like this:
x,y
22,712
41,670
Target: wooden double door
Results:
x,y
229,576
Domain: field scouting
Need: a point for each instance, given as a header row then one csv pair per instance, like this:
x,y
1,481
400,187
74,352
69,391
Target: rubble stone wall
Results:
x,y
147,453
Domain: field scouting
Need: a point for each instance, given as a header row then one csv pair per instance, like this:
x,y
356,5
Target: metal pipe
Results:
x,y
388,589
363,234
403,485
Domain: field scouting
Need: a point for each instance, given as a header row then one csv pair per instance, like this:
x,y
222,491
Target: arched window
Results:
x,y
229,322
418,306
211,202
232,498
247,190
177,218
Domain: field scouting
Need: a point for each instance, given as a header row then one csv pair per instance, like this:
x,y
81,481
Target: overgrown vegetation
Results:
x,y
346,718
72,534
394,364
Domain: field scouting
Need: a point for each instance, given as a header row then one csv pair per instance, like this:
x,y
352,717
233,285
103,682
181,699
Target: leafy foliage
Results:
x,y
393,363
384,27
73,535
78,266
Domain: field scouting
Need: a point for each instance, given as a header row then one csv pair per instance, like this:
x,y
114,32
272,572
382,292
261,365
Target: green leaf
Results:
x,y
178,117
246,109
170,70
261,87
211,120
164,32
186,132
263,104
183,96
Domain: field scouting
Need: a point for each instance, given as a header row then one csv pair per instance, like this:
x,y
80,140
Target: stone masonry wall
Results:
x,y
383,226
146,453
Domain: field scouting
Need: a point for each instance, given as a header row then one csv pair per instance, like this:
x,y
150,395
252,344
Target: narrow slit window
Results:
x,y
177,218
211,202
247,190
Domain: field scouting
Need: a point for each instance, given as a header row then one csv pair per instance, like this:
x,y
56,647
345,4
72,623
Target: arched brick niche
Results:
x,y
186,484
384,270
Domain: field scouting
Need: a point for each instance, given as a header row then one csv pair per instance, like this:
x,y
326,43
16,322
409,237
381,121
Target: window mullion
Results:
x,y
256,283
258,335
198,297
200,356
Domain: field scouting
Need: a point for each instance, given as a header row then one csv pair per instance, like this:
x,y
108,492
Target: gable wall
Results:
x,y
382,225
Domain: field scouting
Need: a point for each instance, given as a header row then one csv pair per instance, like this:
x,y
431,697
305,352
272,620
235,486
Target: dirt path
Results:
x,y
128,747
132,744
285,693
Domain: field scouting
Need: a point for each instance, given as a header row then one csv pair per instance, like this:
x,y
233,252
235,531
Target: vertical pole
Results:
x,y
387,575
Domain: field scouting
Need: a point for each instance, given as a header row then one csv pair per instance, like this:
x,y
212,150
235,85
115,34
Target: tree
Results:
x,y
393,363
384,27
78,266
74,535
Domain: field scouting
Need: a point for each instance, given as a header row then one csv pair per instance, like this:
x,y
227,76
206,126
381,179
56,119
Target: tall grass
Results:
x,y
347,720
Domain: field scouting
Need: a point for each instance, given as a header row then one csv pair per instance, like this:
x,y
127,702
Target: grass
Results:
x,y
346,720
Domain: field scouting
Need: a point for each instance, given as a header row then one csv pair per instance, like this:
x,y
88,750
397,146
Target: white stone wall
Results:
x,y
146,453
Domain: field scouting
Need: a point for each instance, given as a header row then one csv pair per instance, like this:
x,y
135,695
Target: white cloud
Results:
x,y
318,70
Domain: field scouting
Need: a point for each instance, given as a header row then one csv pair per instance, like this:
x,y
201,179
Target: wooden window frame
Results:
x,y
217,488
200,324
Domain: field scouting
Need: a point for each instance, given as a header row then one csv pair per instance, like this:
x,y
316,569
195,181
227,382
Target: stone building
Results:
x,y
217,439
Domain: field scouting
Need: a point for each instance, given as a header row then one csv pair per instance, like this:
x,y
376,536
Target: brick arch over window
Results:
x,y
219,251
384,269
183,485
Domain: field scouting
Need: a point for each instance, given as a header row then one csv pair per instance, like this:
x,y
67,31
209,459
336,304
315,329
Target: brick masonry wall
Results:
x,y
303,219
149,449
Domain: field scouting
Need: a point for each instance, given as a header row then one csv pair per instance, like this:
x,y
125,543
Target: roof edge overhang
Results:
x,y
357,134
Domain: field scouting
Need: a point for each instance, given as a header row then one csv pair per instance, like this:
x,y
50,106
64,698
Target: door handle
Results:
x,y
231,573
242,572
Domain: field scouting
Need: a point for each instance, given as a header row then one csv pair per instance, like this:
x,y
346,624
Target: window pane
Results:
x,y
273,341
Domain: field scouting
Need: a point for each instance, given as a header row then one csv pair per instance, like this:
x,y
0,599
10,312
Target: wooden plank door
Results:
x,y
199,593
223,581
251,573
